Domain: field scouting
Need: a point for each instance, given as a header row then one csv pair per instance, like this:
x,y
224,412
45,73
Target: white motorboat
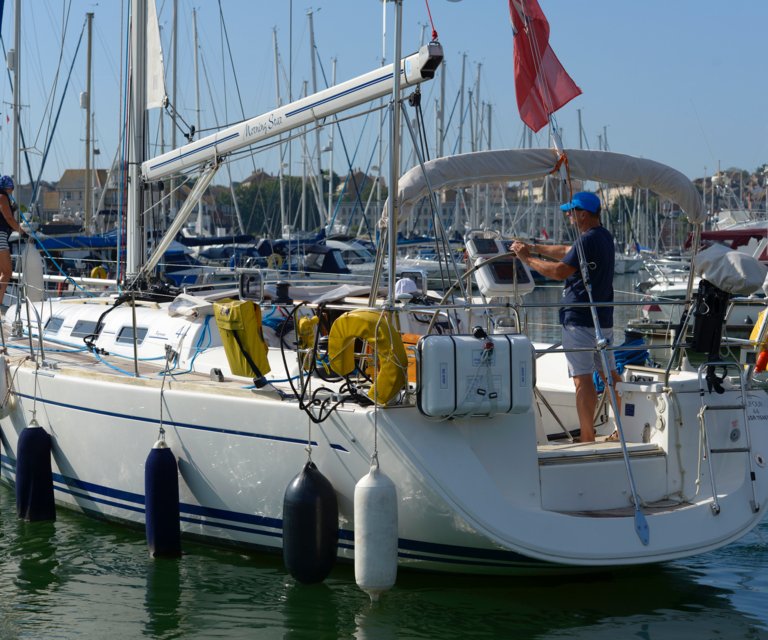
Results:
x,y
360,261
626,263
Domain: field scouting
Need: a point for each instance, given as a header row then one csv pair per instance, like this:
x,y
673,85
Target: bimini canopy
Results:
x,y
525,164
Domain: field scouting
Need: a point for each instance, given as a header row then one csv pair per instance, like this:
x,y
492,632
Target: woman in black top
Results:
x,y
8,224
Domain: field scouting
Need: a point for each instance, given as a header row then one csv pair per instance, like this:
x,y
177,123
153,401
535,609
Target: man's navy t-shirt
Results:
x,y
599,252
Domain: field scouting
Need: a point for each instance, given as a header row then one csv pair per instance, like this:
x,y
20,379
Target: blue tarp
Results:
x,y
63,243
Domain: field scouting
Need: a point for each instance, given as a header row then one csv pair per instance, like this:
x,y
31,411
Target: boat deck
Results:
x,y
601,449
58,357
662,506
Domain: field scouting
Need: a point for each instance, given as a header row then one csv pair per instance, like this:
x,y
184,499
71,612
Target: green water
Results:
x,y
79,578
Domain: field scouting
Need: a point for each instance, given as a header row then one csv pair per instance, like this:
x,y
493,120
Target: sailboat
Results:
x,y
245,389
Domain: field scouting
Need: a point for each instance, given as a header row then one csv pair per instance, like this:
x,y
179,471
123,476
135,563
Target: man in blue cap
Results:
x,y
596,244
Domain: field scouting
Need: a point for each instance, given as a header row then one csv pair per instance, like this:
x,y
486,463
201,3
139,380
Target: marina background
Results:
x,y
675,81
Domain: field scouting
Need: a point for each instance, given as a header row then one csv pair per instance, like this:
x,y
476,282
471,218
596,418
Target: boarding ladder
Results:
x,y
707,409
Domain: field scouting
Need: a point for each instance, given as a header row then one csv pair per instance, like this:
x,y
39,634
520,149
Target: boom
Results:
x,y
414,69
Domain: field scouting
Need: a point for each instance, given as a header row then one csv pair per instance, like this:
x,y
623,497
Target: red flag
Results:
x,y
541,83
545,234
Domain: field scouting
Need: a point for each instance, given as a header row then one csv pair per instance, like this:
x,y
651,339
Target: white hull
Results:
x,y
627,264
475,494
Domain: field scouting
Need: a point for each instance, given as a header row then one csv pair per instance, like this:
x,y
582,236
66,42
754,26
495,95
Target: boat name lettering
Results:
x,y
267,124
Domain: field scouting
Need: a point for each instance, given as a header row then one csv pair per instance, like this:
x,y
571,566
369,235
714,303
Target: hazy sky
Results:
x,y
679,81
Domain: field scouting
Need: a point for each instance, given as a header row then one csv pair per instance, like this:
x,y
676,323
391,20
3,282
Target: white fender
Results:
x,y
375,533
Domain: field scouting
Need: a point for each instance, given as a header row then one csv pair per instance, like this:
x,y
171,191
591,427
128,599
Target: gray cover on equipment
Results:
x,y
729,270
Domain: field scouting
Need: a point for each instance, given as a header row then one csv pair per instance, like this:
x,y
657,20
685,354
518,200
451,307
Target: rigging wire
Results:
x,y
21,130
48,109
336,122
232,65
49,144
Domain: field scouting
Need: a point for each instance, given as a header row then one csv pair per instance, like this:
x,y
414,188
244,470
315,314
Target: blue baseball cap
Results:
x,y
583,200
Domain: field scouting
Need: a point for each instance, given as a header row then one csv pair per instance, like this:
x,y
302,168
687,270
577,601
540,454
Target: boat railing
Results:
x,y
656,320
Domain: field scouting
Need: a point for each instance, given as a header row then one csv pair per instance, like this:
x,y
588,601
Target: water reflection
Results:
x,y
162,598
36,556
650,603
307,609
80,578
32,575
373,623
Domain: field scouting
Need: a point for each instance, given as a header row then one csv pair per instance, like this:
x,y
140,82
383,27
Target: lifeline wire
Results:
x,y
168,354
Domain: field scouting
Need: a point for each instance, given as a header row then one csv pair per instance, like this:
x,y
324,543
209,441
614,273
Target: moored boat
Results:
x,y
479,489
453,400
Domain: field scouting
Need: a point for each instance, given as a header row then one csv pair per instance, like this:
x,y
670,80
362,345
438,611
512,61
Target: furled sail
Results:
x,y
156,92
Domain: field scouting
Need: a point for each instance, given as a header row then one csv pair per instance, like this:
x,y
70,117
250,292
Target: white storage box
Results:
x,y
464,375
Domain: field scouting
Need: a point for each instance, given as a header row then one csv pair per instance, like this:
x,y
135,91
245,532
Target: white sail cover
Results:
x,y
155,70
525,164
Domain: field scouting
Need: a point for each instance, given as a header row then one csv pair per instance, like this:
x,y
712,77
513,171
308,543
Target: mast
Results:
x,y
161,135
290,99
175,28
279,101
488,217
136,151
394,157
313,54
199,225
330,149
441,117
88,206
304,159
381,111
16,64
461,102
478,110
457,204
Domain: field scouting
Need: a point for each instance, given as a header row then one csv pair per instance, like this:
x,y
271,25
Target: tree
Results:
x,y
260,205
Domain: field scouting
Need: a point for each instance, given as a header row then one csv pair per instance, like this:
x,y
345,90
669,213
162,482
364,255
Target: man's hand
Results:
x,y
521,249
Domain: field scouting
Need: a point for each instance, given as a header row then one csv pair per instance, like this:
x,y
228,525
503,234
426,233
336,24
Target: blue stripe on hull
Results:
x,y
253,524
180,425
